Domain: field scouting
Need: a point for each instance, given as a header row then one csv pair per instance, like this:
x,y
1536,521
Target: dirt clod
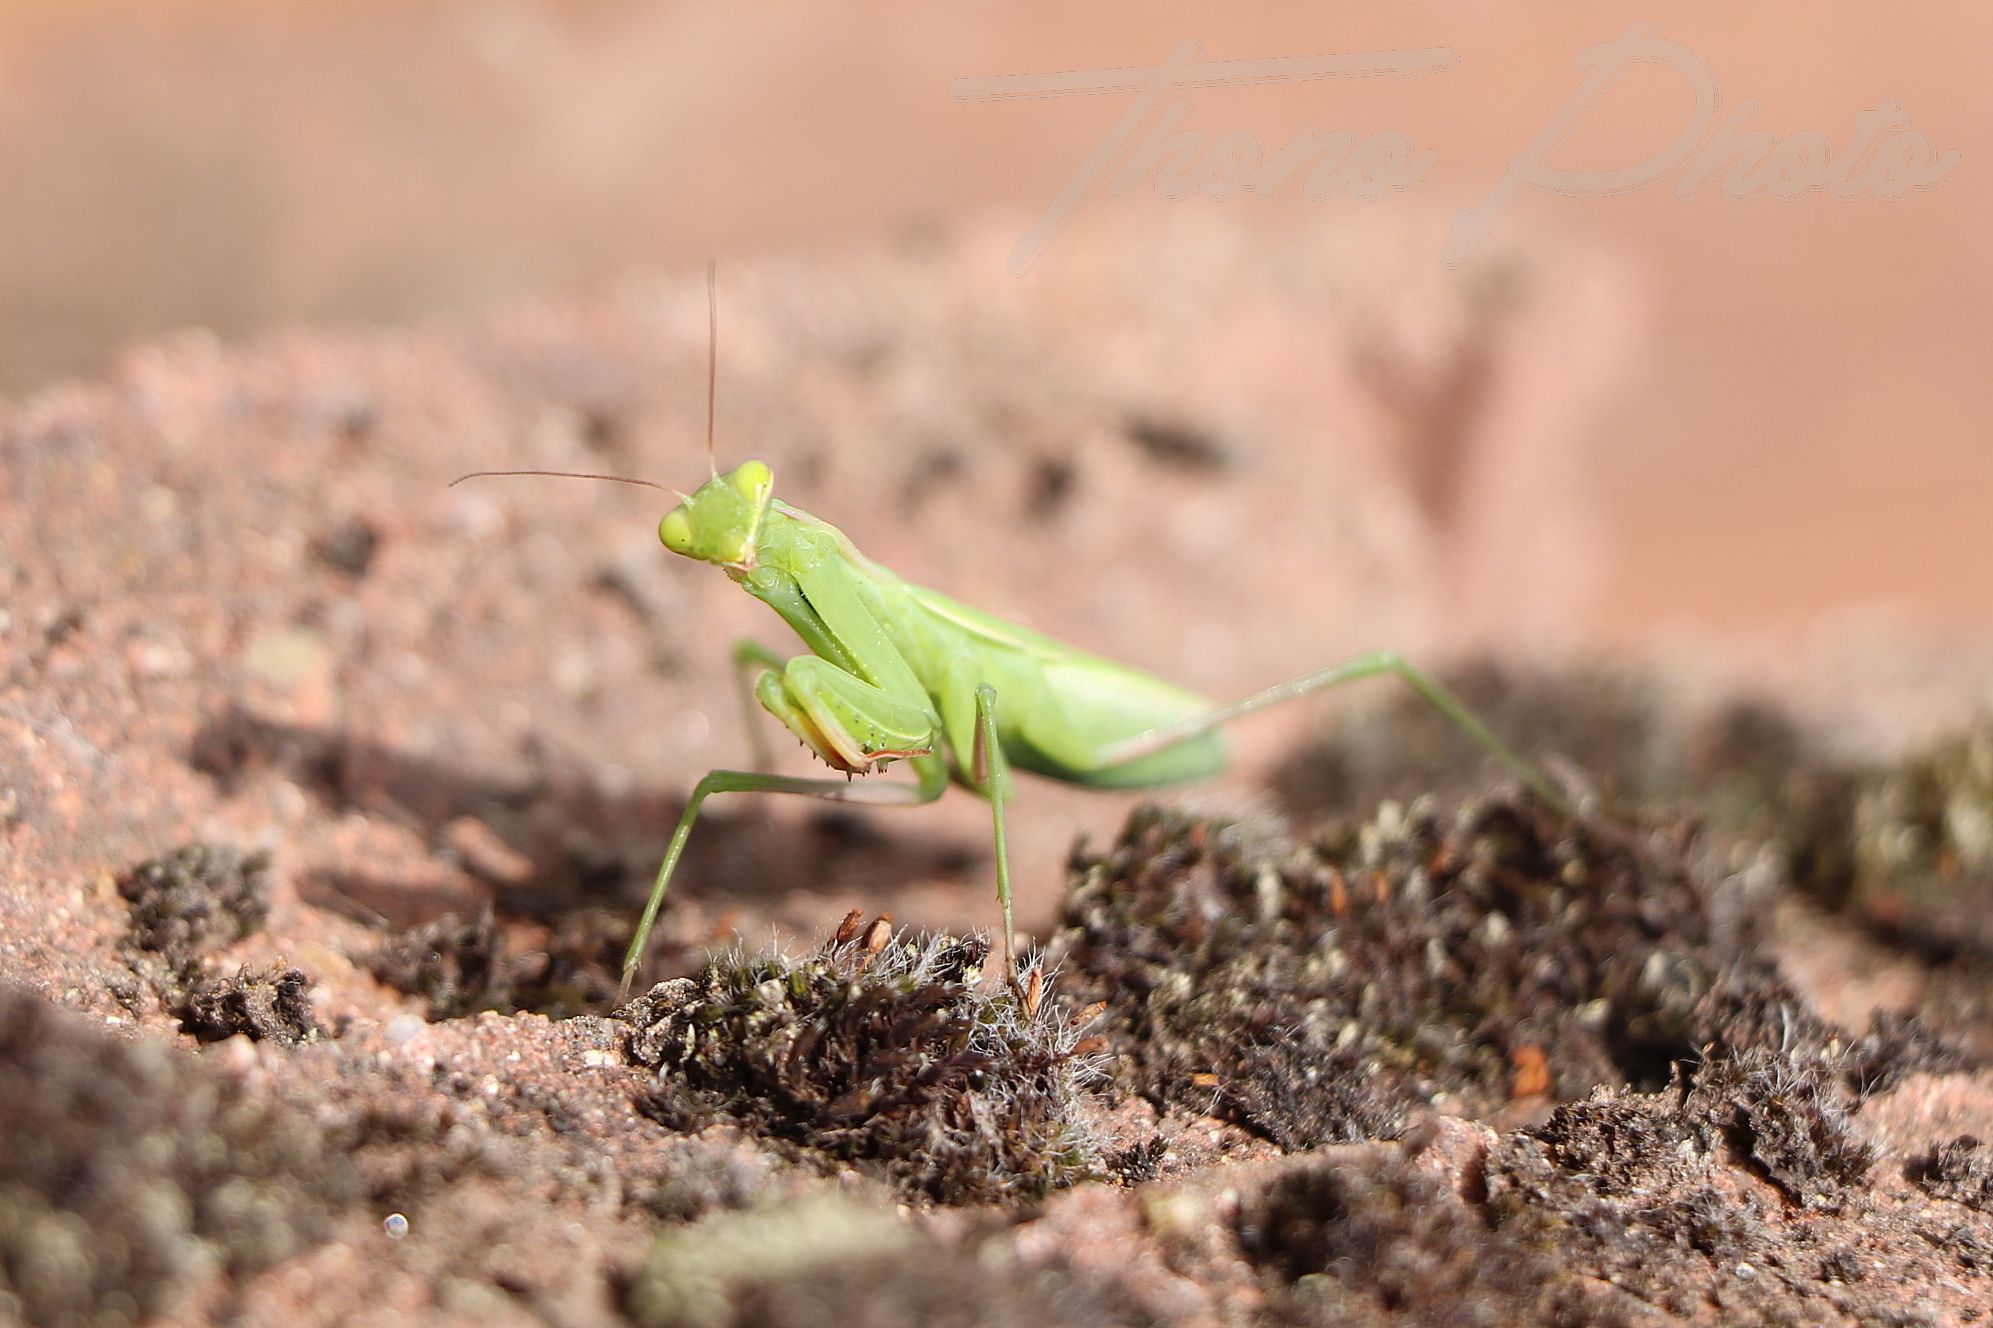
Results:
x,y
348,547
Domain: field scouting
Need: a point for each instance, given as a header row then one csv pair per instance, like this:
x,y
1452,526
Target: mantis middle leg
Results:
x,y
930,787
751,660
990,770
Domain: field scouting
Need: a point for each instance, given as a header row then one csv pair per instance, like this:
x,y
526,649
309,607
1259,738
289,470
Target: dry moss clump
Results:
x,y
460,964
1369,1238
1644,1191
125,1173
189,903
1787,1118
1319,993
1906,844
196,899
1961,1171
1790,1117
1601,723
889,1057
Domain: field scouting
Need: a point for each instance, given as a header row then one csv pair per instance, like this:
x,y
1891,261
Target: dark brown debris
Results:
x,y
272,1004
452,964
1961,1171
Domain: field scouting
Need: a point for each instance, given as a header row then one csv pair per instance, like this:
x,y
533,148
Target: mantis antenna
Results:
x,y
712,355
562,475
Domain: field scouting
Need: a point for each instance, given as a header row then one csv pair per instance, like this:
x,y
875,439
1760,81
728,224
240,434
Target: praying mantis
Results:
x,y
896,672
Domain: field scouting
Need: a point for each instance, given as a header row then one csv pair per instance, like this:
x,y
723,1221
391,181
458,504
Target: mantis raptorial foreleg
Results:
x,y
1349,670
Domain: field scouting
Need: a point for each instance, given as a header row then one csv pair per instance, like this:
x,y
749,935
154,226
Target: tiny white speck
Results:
x,y
396,1226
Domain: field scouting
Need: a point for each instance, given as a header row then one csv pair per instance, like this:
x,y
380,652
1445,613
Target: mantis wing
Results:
x,y
1062,707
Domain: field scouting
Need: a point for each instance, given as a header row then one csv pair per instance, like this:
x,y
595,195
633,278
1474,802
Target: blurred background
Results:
x,y
1782,414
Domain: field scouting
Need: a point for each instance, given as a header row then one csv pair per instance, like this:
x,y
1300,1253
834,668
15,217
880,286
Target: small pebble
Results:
x,y
404,1029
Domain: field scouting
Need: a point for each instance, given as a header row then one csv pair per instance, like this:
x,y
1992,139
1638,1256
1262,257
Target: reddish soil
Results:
x,y
1470,1062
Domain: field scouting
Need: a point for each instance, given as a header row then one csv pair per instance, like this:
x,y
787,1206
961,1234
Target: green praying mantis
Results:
x,y
896,672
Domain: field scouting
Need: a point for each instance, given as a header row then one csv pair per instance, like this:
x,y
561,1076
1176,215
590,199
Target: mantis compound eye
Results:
x,y
752,479
676,532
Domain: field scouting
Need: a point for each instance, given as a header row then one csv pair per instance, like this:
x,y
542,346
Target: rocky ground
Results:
x,y
329,794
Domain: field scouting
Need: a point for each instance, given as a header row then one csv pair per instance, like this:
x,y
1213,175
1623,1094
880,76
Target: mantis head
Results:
x,y
718,522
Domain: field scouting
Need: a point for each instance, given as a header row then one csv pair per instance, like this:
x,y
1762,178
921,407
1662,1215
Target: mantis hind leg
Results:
x,y
933,782
1361,666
